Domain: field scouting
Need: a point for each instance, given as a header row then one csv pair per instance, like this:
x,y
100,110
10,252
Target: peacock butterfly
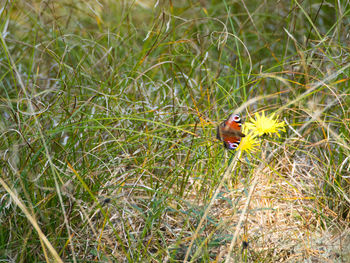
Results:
x,y
229,132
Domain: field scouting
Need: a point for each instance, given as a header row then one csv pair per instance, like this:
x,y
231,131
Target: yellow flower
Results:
x,y
249,143
262,125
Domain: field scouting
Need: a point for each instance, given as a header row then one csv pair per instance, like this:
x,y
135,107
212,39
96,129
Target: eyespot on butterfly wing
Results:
x,y
229,132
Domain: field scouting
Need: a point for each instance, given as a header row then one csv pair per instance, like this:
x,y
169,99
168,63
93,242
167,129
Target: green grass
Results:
x,y
108,116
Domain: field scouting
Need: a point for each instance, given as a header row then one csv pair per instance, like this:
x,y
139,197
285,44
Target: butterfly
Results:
x,y
229,132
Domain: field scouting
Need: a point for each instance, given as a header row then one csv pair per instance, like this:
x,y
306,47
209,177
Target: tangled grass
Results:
x,y
107,131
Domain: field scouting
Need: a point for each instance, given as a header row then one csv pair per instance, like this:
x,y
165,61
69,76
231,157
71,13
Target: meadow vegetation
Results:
x,y
108,116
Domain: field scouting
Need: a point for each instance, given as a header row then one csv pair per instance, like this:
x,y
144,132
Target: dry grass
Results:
x,y
107,131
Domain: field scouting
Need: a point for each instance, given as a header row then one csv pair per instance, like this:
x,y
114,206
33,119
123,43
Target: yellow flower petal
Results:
x,y
262,124
249,143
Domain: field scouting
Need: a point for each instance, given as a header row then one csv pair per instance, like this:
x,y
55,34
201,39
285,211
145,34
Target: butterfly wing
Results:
x,y
230,132
231,142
